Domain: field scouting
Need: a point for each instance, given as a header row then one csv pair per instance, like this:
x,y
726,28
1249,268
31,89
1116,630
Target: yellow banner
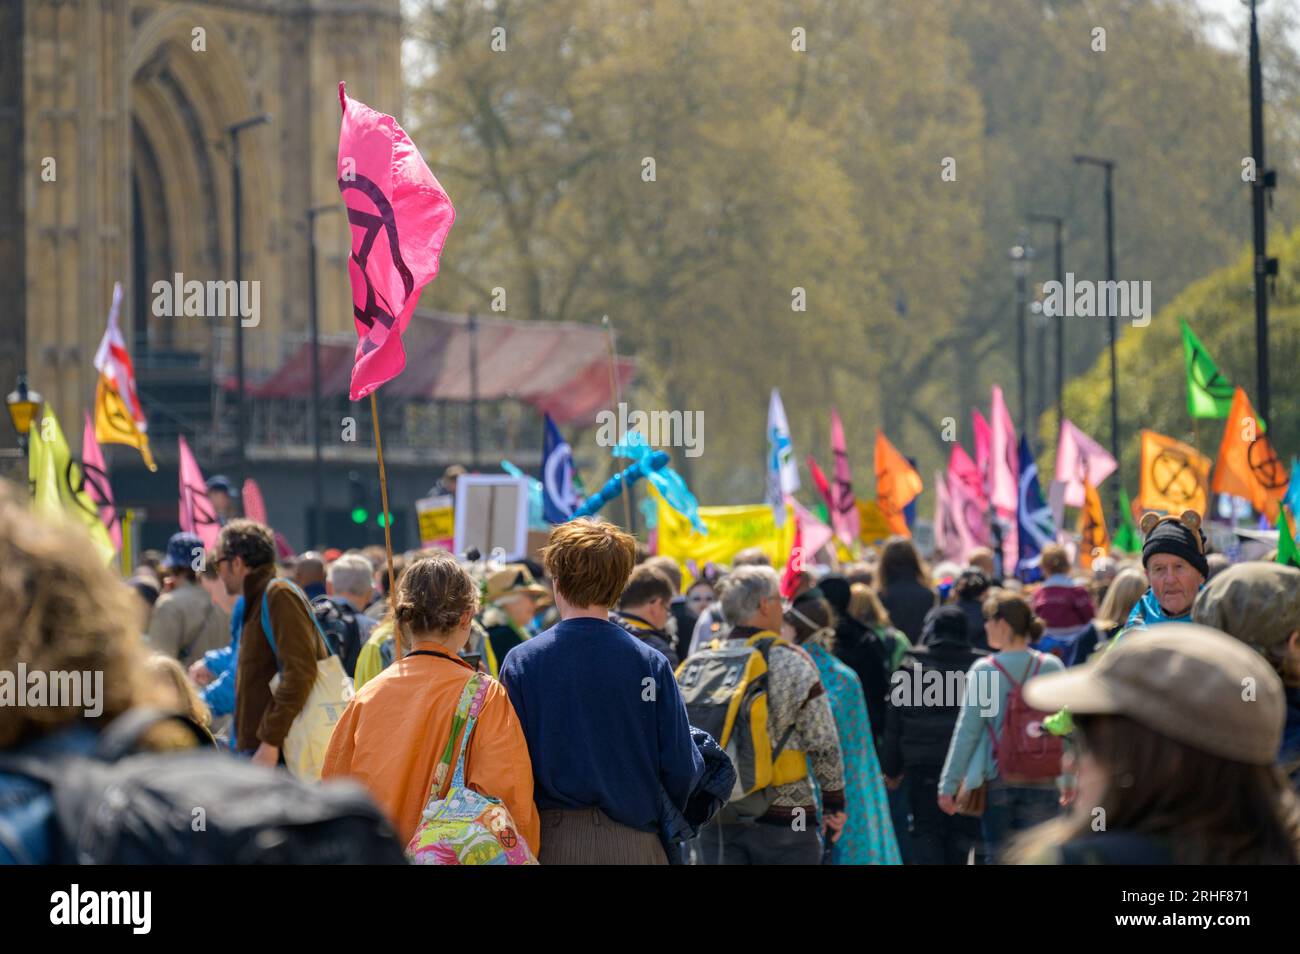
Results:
x,y
731,529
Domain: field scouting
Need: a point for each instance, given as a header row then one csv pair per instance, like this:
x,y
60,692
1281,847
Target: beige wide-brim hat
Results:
x,y
1189,683
514,579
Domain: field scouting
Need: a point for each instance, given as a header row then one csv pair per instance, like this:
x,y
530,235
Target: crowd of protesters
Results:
x,y
911,715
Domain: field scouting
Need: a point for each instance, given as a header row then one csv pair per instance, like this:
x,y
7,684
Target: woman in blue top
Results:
x,y
868,834
1013,804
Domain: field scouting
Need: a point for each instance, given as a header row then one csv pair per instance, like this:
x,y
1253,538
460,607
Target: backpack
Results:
x,y
338,621
725,690
198,806
460,826
1026,750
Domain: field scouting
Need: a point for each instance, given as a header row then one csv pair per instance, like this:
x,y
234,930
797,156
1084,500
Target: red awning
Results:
x,y
560,368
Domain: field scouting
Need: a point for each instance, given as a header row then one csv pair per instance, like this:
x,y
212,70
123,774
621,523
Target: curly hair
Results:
x,y
433,594
65,612
247,539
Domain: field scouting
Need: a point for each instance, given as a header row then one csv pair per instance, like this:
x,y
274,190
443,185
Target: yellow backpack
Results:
x,y
725,691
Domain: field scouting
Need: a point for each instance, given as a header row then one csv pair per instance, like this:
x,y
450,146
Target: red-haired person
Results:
x,y
605,723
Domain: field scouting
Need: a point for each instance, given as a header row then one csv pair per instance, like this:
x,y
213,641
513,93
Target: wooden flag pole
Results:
x,y
614,397
388,529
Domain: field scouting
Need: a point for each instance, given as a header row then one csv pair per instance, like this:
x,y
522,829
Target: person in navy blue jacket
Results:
x,y
606,726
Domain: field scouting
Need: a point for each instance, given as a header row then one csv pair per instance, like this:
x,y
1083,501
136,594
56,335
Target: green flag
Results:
x,y
1209,393
1286,548
1126,537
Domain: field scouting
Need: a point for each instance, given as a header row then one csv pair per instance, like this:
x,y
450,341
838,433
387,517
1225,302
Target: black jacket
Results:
x,y
655,638
686,621
907,602
868,655
917,735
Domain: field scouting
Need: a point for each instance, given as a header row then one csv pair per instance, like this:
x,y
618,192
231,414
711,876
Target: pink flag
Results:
x,y
400,217
1004,458
948,539
254,505
815,534
95,475
1079,457
969,511
983,443
961,467
196,513
844,508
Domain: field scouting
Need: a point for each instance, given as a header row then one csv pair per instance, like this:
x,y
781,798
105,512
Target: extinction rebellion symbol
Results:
x,y
376,306
1175,478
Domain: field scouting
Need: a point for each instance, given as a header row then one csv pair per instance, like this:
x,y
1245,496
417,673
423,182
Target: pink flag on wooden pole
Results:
x,y
949,540
1078,457
197,515
844,508
400,217
95,475
1004,457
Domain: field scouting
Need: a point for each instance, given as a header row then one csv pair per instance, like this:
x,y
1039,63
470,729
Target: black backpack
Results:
x,y
338,621
199,806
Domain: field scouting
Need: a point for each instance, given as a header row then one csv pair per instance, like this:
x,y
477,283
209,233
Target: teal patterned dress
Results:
x,y
868,834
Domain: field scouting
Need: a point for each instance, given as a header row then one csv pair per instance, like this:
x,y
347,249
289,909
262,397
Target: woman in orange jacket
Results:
x,y
395,728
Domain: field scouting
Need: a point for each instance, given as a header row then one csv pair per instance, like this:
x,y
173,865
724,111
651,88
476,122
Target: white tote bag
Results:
x,y
309,736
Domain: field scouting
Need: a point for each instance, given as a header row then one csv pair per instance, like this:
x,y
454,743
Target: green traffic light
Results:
x,y
360,514
379,520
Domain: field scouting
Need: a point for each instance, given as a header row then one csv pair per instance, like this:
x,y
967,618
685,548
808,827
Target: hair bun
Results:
x,y
1036,628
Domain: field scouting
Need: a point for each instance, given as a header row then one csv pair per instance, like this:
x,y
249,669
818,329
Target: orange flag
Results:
x,y
897,483
1248,466
1174,476
1092,527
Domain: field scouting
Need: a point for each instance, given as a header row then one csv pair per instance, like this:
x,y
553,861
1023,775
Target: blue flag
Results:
x,y
558,498
1034,516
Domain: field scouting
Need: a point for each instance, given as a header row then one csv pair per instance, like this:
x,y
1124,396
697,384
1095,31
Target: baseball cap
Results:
x,y
180,550
1259,603
1187,682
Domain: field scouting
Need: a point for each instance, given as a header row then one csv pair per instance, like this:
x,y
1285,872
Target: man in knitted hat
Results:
x,y
1174,557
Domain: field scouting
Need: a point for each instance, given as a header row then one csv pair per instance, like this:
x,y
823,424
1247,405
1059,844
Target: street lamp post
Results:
x,y
236,186
1058,223
24,406
1022,257
1264,179
1108,165
318,493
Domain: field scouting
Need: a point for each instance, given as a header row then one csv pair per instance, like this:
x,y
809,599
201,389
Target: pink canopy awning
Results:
x,y
560,368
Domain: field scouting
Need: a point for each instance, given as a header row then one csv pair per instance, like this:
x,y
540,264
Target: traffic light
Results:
x,y
357,496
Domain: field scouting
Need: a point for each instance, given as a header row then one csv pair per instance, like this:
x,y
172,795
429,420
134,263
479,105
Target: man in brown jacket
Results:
x,y
246,564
